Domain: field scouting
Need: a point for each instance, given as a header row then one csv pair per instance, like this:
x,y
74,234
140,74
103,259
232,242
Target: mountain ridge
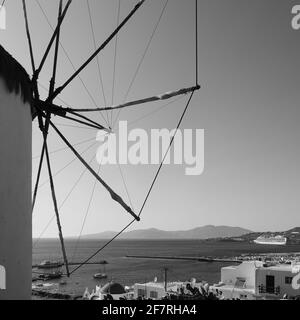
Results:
x,y
204,232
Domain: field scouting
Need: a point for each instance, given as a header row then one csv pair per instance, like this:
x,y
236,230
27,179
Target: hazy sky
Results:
x,y
248,105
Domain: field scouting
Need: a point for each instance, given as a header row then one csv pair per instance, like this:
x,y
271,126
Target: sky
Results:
x,y
247,105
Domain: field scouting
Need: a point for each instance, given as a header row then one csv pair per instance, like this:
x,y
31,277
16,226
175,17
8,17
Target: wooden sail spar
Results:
x,y
48,107
95,54
54,36
113,194
164,96
44,126
60,111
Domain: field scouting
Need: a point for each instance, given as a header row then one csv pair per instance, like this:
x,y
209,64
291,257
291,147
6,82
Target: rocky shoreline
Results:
x,y
47,295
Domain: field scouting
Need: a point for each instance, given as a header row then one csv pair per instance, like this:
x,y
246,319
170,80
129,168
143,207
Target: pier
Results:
x,y
199,259
69,263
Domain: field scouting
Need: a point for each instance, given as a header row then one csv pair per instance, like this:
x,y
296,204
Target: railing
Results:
x,y
271,290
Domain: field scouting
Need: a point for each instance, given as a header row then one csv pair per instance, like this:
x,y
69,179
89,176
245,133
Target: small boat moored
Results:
x,y
50,276
50,264
100,276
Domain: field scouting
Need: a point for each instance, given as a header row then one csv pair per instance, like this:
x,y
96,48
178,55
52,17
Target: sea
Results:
x,y
128,271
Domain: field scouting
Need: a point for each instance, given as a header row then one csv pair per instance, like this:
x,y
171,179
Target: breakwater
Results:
x,y
200,259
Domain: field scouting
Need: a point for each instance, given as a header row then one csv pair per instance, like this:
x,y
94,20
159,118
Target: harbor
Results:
x,y
128,269
236,283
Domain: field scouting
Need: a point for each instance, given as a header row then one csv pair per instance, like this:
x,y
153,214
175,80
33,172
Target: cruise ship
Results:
x,y
273,240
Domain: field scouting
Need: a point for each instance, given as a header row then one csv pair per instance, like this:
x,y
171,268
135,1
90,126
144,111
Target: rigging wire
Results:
x,y
125,186
28,36
169,147
103,247
148,194
86,213
73,126
55,205
197,39
112,193
88,123
62,204
67,165
70,61
115,63
101,48
155,111
53,37
54,70
98,63
65,148
142,59
180,120
37,181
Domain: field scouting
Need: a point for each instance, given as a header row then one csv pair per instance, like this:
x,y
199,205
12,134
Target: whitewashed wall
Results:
x,y
15,194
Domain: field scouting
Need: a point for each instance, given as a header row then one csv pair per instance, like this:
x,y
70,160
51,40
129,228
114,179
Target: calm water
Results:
x,y
127,271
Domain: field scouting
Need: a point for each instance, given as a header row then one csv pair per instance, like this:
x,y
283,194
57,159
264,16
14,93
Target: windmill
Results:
x,y
45,109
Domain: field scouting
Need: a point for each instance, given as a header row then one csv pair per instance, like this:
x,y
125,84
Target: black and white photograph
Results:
x,y
149,151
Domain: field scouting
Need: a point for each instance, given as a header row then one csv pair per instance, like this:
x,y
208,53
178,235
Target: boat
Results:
x,y
50,264
100,276
51,276
272,240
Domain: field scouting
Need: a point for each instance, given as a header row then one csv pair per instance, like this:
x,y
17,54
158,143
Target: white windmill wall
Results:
x,y
15,194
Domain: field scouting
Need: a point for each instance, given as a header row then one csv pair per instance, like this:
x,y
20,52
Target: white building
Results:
x,y
256,280
156,290
149,290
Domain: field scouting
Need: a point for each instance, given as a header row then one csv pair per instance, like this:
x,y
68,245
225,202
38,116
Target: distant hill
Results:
x,y
293,231
206,232
293,235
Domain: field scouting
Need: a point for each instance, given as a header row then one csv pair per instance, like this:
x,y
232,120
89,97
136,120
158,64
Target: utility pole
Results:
x,y
166,279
